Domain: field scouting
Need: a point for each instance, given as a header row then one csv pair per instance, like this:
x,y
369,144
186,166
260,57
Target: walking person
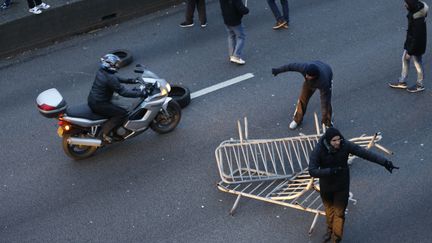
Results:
x,y
329,163
233,12
414,46
190,9
282,21
35,6
317,75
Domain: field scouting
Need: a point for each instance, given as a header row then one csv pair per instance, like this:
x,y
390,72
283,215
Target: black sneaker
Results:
x,y
398,85
203,25
415,88
186,24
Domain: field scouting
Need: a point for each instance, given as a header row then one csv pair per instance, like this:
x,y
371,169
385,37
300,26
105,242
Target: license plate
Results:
x,y
60,131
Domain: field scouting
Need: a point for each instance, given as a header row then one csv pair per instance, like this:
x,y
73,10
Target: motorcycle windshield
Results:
x,y
149,74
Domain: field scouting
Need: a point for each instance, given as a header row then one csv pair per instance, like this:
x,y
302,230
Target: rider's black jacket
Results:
x,y
106,83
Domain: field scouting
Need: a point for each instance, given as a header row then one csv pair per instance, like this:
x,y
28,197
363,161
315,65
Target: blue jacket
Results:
x,y
324,81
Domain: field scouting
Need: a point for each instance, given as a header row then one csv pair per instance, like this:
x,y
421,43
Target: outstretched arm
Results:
x,y
370,156
364,153
116,86
127,80
295,67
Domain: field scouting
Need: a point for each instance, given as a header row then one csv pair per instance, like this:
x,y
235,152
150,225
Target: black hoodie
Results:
x,y
415,42
233,11
325,158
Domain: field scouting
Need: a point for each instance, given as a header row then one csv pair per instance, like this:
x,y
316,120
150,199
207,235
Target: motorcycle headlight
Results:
x,y
164,92
168,87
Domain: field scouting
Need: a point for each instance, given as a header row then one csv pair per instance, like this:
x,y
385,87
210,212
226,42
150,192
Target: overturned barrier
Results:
x,y
276,170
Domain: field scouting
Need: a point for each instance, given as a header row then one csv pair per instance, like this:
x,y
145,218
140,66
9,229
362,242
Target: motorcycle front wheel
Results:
x,y
77,152
166,121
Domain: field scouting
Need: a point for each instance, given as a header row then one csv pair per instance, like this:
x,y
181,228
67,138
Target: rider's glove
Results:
x,y
149,88
389,166
275,71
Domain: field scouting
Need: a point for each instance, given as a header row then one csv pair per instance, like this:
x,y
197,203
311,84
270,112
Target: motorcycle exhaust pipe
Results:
x,y
85,141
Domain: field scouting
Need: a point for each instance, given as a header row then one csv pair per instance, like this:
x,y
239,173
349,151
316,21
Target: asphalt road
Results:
x,y
161,188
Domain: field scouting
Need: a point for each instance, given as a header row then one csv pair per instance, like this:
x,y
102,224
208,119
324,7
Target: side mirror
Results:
x,y
139,68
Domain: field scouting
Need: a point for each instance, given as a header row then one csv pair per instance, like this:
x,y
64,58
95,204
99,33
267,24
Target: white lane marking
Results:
x,y
222,85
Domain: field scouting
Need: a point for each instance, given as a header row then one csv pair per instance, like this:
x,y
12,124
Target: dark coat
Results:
x,y
323,161
233,11
324,81
106,83
415,42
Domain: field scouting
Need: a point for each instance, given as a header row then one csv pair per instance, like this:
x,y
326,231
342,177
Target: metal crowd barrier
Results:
x,y
276,170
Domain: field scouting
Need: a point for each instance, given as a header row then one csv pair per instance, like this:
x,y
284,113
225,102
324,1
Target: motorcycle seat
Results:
x,y
83,111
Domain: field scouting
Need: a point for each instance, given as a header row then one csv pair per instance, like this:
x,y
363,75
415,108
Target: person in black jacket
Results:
x,y
414,46
105,84
317,75
232,12
329,163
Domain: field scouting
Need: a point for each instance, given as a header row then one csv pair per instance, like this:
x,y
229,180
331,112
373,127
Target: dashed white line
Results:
x,y
221,85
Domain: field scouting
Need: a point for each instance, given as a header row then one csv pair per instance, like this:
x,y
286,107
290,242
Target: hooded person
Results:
x,y
317,75
414,45
329,163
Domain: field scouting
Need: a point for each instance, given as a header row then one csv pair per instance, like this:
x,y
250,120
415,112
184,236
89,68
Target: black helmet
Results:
x,y
110,62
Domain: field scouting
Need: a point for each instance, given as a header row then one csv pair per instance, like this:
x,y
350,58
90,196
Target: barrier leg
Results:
x,y
351,198
232,211
313,224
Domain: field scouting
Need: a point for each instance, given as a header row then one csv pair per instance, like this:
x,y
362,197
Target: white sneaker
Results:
x,y
293,125
43,6
35,10
237,60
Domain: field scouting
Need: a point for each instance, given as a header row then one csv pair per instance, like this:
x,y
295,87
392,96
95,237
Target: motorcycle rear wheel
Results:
x,y
77,152
165,122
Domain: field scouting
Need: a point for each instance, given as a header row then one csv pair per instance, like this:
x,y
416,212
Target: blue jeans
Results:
x,y
276,12
418,63
236,39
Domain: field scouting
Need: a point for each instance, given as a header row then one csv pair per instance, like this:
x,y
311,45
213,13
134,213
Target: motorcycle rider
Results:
x,y
104,85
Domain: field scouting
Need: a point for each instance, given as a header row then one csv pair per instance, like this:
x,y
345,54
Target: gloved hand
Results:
x,y
275,71
149,88
389,166
131,80
335,171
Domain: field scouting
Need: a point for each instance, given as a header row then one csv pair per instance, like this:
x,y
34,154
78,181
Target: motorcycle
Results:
x,y
81,129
